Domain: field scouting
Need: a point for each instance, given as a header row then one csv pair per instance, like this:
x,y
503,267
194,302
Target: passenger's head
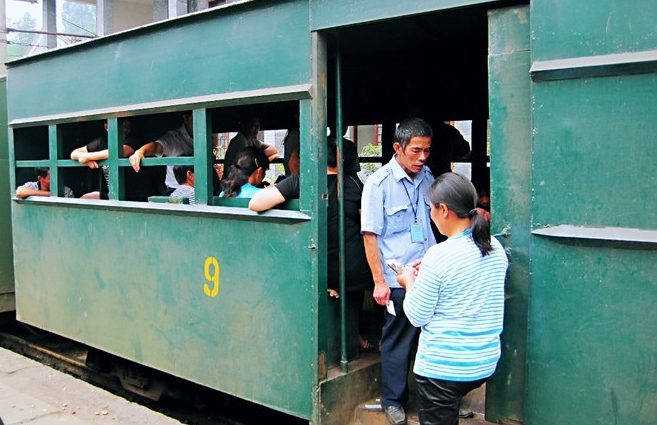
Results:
x,y
484,200
454,197
43,177
251,165
184,174
251,128
188,120
412,144
332,132
126,128
410,128
294,163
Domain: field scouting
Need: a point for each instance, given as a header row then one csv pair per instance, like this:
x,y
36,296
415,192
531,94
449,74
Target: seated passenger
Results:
x,y
185,177
178,142
349,153
96,150
41,187
291,144
357,271
246,175
248,136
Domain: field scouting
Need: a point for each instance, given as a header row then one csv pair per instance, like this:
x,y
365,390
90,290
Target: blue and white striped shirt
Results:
x,y
458,300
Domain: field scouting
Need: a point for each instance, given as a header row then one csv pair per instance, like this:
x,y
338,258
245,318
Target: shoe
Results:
x,y
465,412
395,415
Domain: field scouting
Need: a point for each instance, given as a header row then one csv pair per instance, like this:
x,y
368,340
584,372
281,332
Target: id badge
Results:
x,y
417,232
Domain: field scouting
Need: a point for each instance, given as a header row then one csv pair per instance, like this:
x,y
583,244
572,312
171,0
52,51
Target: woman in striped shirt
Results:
x,y
457,298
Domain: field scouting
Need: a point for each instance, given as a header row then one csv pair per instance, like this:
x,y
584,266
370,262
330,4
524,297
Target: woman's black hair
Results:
x,y
249,160
460,196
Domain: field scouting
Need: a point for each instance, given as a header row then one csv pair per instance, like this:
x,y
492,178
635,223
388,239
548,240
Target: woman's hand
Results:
x,y
407,277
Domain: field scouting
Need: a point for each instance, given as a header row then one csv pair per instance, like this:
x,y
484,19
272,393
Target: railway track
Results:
x,y
184,401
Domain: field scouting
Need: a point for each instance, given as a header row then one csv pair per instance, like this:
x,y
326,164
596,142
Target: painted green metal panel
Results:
x,y
591,316
594,149
510,140
569,29
140,284
254,46
592,337
336,13
591,344
6,255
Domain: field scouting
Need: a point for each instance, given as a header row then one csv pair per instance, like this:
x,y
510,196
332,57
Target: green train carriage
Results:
x,y
562,92
7,296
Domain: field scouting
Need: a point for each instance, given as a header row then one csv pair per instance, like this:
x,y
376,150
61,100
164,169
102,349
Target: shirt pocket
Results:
x,y
396,218
427,207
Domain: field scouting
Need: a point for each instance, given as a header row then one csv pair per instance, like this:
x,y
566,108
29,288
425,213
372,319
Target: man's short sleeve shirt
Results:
x,y
391,204
176,142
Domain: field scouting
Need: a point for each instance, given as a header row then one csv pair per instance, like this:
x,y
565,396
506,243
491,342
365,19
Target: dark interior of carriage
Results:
x,y
432,66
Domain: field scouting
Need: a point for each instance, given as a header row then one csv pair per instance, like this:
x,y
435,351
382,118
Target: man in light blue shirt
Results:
x,y
396,224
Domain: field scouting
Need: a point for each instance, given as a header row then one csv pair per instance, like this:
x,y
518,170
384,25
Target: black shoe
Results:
x,y
465,413
395,415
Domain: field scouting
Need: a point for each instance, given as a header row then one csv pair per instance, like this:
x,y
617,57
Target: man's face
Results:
x,y
44,182
189,123
127,128
252,128
412,158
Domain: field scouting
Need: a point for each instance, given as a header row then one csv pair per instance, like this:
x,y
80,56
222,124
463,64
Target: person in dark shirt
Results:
x,y
447,146
357,271
138,187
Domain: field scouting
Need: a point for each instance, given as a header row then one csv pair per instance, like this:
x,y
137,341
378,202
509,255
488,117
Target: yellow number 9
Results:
x,y
211,261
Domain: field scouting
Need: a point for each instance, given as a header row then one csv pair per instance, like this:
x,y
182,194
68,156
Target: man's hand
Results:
x,y
135,160
83,158
381,293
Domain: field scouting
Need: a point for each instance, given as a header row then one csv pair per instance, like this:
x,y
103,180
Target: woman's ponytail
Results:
x,y
460,196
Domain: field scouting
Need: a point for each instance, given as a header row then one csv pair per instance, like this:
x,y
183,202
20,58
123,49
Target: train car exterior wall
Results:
x,y
572,89
591,344
7,299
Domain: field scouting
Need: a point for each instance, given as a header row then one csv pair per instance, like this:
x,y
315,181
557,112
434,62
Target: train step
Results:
x,y
364,380
370,413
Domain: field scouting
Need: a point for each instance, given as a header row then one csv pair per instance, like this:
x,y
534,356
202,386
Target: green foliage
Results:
x,y
20,43
370,150
79,18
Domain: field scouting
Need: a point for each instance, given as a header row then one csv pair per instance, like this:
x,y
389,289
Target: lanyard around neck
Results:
x,y
417,199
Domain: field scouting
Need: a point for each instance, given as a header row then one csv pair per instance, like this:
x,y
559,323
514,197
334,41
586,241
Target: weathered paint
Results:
x,y
6,255
591,346
216,51
578,29
511,156
141,296
337,13
574,152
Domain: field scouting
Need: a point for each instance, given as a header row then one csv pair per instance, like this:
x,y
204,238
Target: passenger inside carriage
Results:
x,y
447,146
40,187
97,150
349,152
246,175
178,142
357,271
247,136
291,145
185,177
